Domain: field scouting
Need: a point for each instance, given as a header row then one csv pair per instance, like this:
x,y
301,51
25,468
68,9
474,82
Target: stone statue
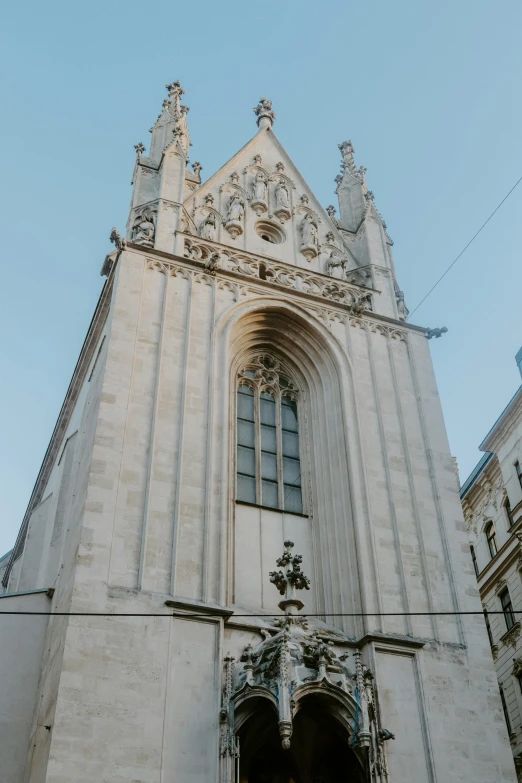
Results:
x,y
281,196
207,229
260,189
236,208
401,306
309,231
143,229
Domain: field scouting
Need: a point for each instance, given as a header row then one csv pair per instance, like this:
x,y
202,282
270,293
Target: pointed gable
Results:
x,y
260,203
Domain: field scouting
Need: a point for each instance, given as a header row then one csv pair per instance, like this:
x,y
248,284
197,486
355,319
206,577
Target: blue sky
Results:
x,y
429,93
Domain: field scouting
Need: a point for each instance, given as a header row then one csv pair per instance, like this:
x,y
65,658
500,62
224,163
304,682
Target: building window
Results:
x,y
509,513
491,537
519,678
268,459
474,558
505,709
507,608
519,472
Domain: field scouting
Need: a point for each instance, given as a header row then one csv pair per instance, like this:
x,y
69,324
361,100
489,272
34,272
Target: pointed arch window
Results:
x,y
491,537
268,451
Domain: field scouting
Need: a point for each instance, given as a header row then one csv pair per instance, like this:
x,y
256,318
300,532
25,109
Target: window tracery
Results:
x,y
268,452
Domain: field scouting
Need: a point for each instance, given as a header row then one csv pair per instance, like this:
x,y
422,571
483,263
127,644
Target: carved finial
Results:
x,y
331,210
165,103
347,150
369,196
175,88
197,168
234,177
304,200
265,115
338,179
258,160
280,167
209,199
174,101
117,239
330,237
289,581
140,148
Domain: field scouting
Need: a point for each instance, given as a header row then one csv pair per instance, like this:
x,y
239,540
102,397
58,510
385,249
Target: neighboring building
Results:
x,y
492,503
248,378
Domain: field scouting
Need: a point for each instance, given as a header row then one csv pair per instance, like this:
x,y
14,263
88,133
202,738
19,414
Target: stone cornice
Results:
x,y
504,424
80,371
258,285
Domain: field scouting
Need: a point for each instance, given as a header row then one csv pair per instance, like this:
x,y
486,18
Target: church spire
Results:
x,y
350,190
171,123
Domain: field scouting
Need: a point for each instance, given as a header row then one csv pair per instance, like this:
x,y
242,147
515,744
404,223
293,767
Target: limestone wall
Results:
x,y
137,697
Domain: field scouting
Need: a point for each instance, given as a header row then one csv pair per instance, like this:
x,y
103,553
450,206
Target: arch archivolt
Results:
x,y
319,365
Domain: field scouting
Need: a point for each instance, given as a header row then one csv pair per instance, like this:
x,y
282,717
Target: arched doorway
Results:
x,y
319,751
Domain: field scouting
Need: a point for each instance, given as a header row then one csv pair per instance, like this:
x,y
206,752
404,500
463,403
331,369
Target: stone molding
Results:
x,y
328,317
351,295
510,638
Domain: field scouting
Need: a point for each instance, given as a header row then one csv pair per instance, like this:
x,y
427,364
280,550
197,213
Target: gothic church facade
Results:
x,y
247,524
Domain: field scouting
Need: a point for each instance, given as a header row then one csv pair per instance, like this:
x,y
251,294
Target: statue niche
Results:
x,y
143,229
208,228
282,201
309,237
259,194
235,215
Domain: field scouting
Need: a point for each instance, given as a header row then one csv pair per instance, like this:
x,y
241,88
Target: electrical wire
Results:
x,y
194,615
464,250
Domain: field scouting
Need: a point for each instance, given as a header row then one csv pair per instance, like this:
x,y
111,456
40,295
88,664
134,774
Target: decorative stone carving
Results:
x,y
140,149
304,200
197,168
257,160
294,662
348,294
309,237
511,637
282,201
209,199
517,667
280,167
208,228
292,579
235,215
213,263
347,151
494,652
144,229
264,113
335,261
234,177
401,306
330,238
331,211
259,193
437,332
117,240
